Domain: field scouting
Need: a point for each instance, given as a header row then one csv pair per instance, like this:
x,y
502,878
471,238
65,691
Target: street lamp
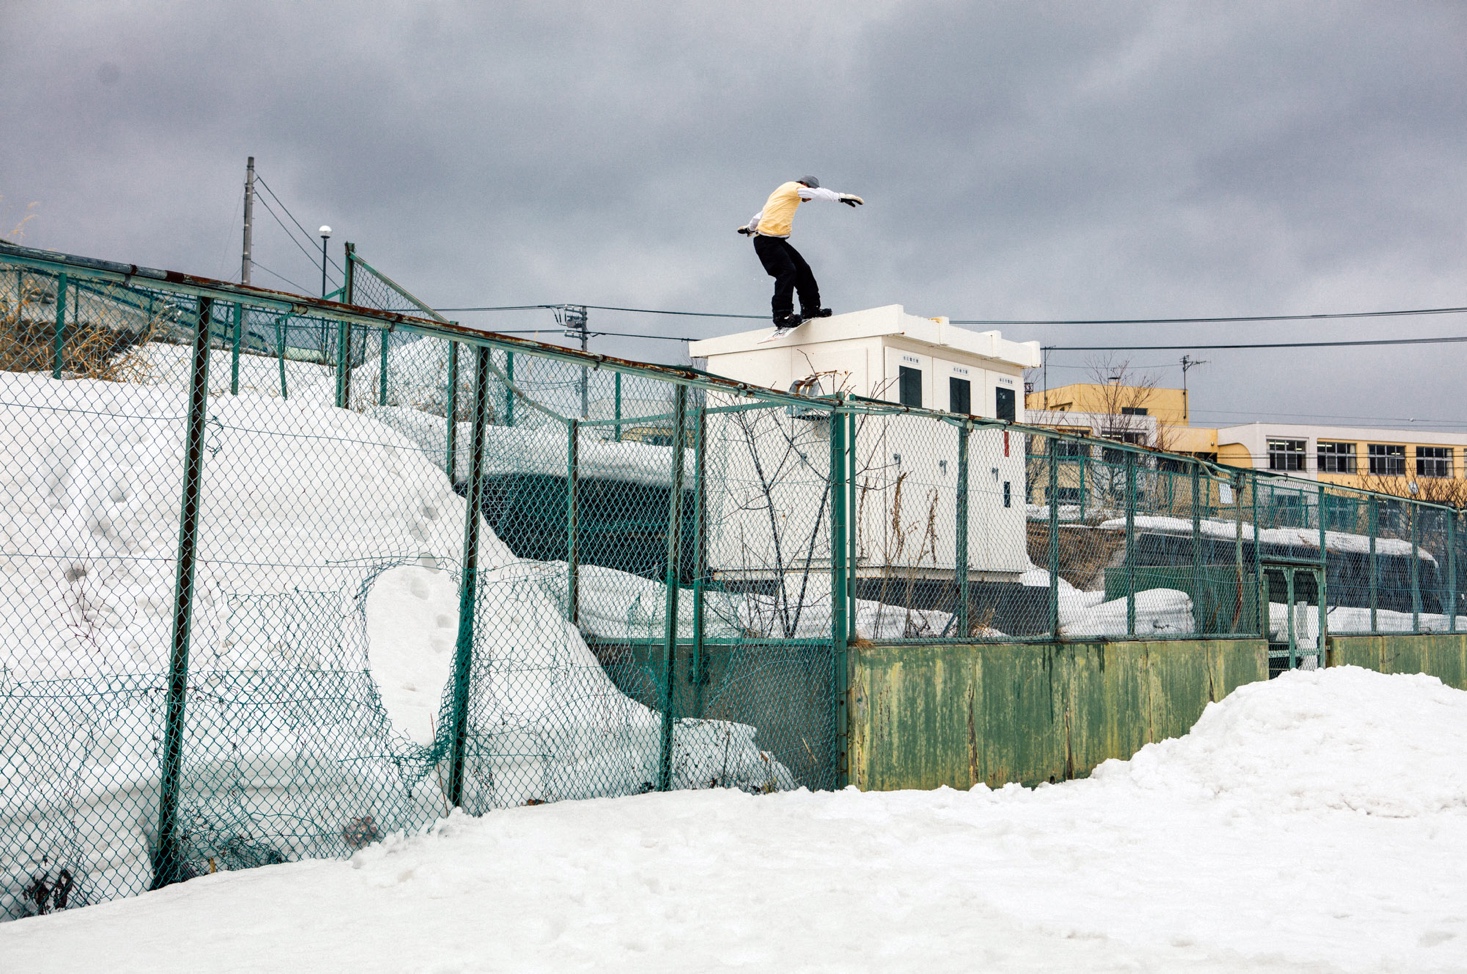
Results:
x,y
325,233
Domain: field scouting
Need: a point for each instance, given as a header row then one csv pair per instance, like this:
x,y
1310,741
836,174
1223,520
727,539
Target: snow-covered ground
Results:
x,y
1317,822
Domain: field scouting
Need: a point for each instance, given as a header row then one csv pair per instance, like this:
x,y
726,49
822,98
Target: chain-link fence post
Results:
x,y
509,388
1413,511
842,447
1052,443
168,865
960,613
59,338
1374,524
382,370
1199,608
1236,484
1130,543
343,337
450,433
1084,492
572,522
280,352
1322,595
699,673
1452,570
616,407
1260,594
236,333
674,550
463,656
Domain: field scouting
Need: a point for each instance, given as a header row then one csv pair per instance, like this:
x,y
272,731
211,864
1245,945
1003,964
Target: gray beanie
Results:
x,y
810,181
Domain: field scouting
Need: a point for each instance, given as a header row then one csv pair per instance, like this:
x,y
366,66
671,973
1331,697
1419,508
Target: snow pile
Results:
x,y
261,375
539,450
1313,823
1290,537
1343,739
1351,618
1159,611
327,550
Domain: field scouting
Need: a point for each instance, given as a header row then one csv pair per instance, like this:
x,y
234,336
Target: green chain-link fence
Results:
x,y
283,575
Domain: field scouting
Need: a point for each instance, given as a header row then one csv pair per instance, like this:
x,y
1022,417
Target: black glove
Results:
x,y
852,201
745,231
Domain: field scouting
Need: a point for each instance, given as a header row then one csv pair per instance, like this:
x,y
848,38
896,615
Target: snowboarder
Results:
x,y
770,229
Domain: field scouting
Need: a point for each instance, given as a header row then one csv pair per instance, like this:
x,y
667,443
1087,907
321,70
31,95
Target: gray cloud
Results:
x,y
1025,160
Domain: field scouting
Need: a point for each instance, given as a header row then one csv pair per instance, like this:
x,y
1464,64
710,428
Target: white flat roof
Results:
x,y
889,321
1257,432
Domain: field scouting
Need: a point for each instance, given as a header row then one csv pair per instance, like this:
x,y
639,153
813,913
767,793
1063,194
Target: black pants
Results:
x,y
790,273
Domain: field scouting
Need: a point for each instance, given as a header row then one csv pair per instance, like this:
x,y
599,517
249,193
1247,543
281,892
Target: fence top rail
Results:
x,y
304,306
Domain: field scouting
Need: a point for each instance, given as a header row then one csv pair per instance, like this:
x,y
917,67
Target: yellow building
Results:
x,y
1144,415
1167,406
1424,464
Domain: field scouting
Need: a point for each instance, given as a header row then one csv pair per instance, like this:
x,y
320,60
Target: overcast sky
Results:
x,y
1019,160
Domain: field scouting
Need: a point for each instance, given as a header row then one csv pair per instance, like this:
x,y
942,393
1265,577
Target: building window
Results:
x,y
1433,461
1336,457
1387,460
1003,404
959,395
1134,411
909,386
1069,448
1286,454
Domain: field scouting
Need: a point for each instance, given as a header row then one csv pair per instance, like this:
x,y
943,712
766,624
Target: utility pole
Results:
x,y
1188,362
249,219
573,318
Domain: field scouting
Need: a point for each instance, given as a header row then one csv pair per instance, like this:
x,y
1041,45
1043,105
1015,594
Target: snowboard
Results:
x,y
777,333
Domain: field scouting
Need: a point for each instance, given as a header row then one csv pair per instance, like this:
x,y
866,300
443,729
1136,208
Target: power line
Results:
x,y
607,307
261,180
298,288
1446,340
1218,319
1211,320
309,256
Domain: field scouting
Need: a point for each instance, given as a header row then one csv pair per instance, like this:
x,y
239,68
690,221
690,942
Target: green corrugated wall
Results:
x,y
1443,656
924,716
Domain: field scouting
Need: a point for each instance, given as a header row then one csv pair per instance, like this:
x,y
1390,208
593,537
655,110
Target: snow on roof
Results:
x,y
890,320
1302,537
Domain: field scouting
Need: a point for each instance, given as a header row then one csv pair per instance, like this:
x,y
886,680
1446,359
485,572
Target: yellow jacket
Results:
x,y
779,210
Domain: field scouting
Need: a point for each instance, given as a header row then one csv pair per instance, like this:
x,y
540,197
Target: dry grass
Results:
x,y
1084,552
90,350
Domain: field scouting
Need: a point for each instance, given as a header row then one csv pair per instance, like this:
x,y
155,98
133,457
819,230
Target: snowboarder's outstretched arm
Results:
x,y
821,193
807,193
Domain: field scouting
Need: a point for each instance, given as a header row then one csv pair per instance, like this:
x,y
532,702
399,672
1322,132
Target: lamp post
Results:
x,y
325,233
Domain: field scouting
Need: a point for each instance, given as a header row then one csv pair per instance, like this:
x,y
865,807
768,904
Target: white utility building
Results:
x,y
884,353
906,466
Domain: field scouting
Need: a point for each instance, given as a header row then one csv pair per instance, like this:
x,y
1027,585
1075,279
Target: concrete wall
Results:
x,y
924,716
1442,656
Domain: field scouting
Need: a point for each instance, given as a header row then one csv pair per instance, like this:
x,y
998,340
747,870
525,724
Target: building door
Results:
x,y
1296,616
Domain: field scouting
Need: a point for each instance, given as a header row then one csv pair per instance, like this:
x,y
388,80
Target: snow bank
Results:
x,y
1342,739
327,553
1293,537
617,605
1158,611
1316,822
538,450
